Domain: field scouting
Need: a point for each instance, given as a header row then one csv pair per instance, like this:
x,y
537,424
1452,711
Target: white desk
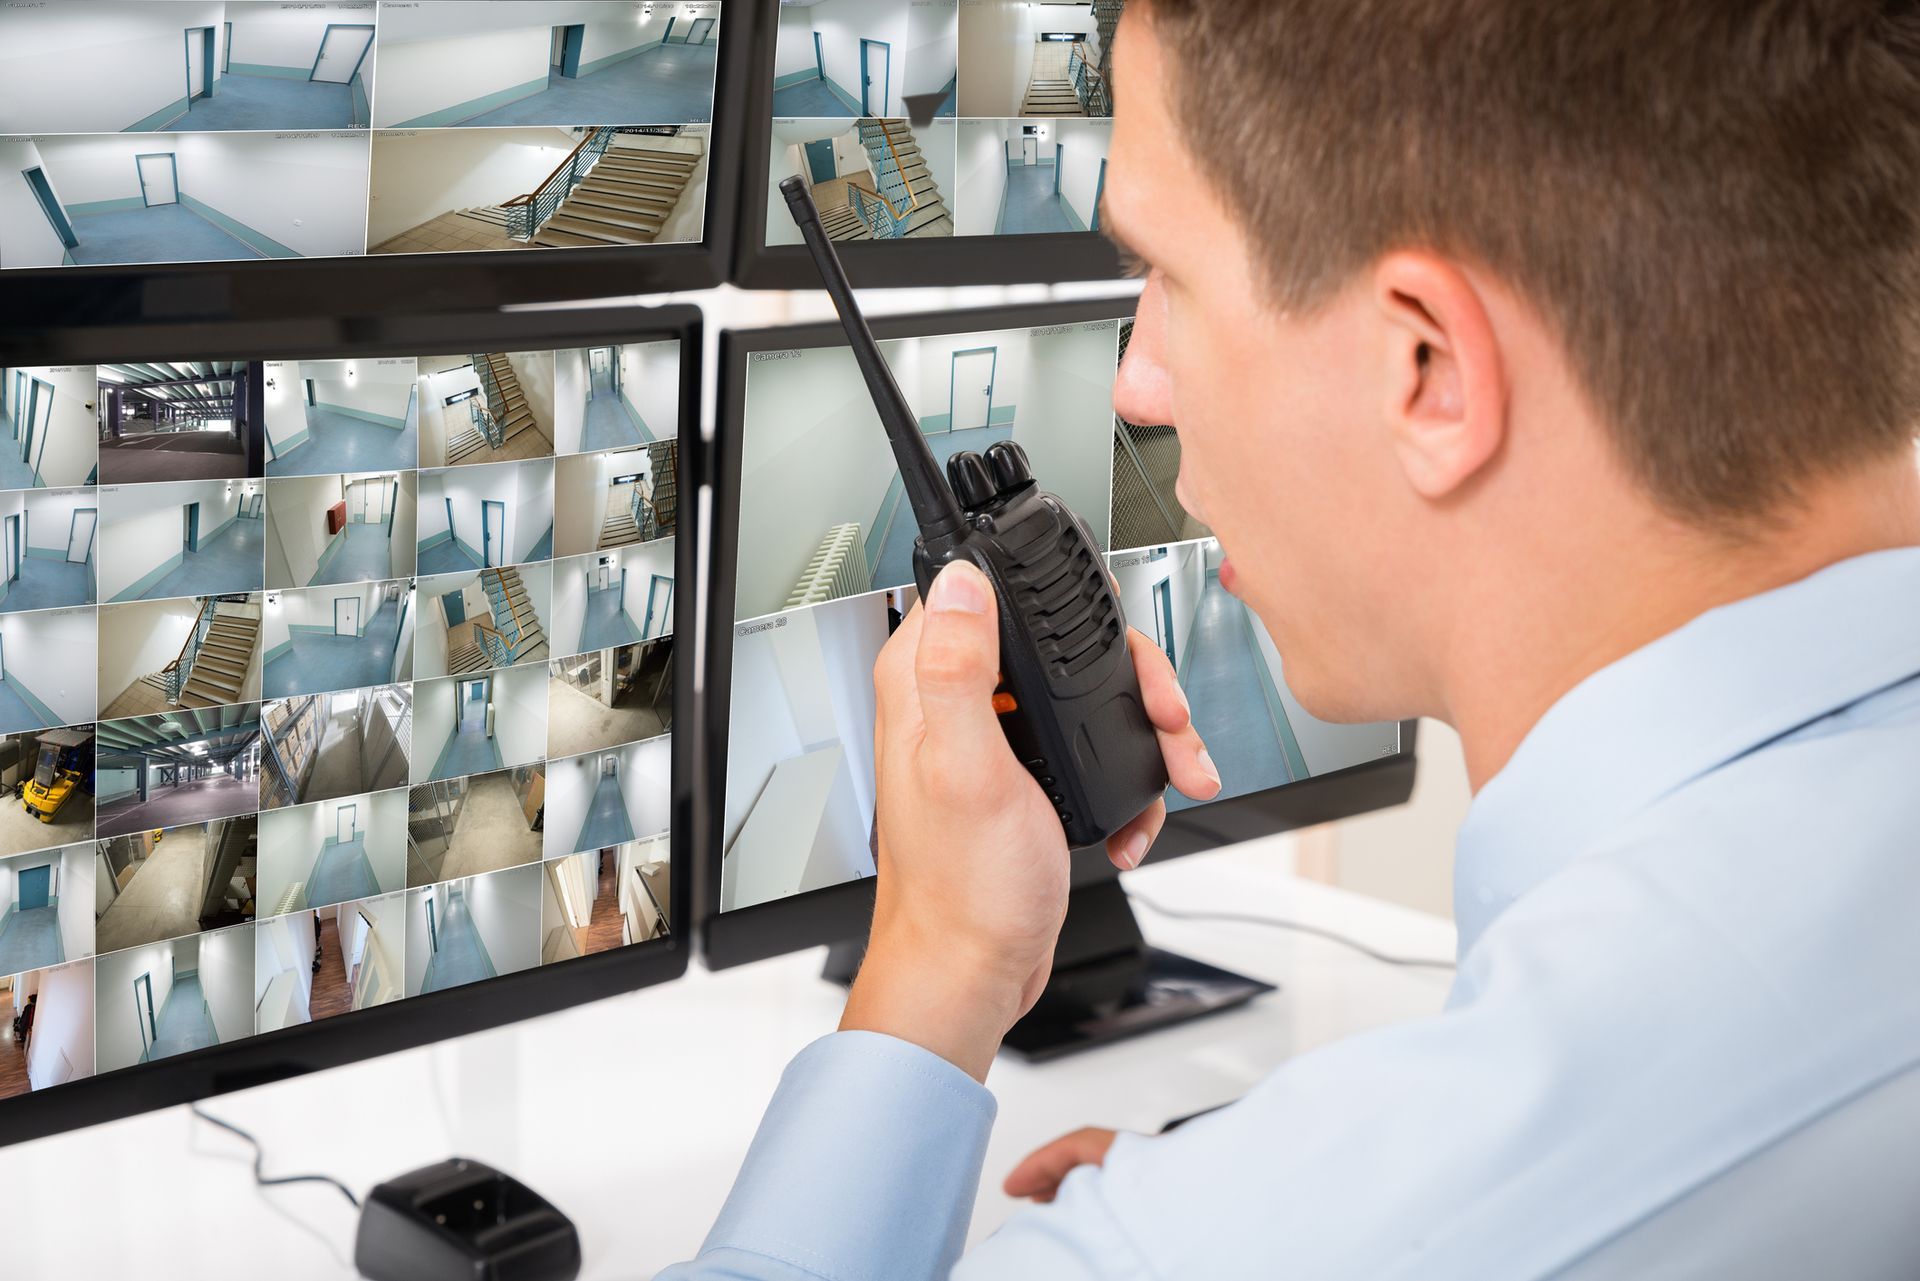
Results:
x,y
632,1114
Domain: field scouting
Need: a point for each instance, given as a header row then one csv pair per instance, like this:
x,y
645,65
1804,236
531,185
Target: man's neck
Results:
x,y
1649,582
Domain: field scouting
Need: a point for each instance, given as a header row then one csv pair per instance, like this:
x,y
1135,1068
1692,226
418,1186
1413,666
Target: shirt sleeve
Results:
x,y
864,1169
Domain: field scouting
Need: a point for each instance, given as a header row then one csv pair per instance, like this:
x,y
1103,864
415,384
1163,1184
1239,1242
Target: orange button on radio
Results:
x,y
1003,703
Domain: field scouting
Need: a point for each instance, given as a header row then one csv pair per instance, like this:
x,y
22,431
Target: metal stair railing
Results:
x,y
527,214
521,626
180,670
1089,86
483,421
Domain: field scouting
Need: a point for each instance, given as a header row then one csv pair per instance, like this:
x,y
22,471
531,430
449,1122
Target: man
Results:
x,y
1553,370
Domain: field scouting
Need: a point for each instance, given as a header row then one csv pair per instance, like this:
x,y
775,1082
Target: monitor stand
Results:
x,y
1107,983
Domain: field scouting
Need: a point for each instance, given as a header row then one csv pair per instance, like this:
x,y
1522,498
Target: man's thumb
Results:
x,y
958,662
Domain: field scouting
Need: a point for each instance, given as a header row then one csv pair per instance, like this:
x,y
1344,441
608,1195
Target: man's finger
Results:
x,y
1126,847
1039,1175
957,662
1166,701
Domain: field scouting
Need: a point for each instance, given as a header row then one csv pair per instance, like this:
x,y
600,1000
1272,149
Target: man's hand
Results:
x,y
1038,1177
973,863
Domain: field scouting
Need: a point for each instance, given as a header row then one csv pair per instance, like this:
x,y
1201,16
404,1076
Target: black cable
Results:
x,y
1411,962
259,1156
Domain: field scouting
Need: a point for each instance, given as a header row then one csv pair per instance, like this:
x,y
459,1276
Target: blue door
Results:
x,y
1099,190
572,39
493,520
456,607
43,192
659,603
876,77
820,160
1163,619
193,527
36,884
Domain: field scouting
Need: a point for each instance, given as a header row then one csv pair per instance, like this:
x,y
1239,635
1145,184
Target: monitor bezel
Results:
x,y
159,293
419,1020
838,913
960,260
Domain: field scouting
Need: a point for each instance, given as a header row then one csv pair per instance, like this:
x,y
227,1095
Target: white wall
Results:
x,y
1183,568
433,708
569,604
384,818
418,940
141,527
842,24
421,77
646,783
27,239
117,1022
53,654
286,410
933,49
378,386
97,68
50,517
524,488
290,843
996,56
937,148
417,176
530,514
650,381
793,44
1066,424
687,219
66,453
86,169
269,33
283,944
1084,146
76,900
62,1024
138,639
570,786
534,371
570,387
520,713
297,516
982,155
642,561
814,456
226,979
506,910
581,501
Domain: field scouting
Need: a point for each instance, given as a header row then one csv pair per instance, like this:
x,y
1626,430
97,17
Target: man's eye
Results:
x,y
1133,265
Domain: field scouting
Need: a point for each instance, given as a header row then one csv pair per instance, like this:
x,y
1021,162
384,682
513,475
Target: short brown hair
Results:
x,y
1715,202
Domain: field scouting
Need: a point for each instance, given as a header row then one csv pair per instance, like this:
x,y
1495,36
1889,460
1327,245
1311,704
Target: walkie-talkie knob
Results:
x,y
1009,465
967,473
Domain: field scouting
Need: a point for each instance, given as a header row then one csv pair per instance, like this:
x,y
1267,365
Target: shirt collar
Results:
x,y
1727,682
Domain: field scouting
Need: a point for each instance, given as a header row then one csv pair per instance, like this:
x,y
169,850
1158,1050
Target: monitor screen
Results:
x,y
944,141
816,573
139,133
298,748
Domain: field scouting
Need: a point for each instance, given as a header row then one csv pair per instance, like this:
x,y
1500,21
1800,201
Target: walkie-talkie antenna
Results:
x,y
934,506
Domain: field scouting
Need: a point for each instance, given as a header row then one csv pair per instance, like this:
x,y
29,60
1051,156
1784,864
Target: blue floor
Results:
x,y
949,105
366,557
461,956
338,443
319,663
810,99
227,563
1229,700
14,474
608,424
15,713
184,1021
670,85
607,822
543,550
341,874
30,941
1031,207
267,102
444,558
895,566
162,233
468,749
607,624
49,584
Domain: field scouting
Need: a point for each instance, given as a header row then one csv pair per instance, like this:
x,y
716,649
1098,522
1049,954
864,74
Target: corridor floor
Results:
x,y
159,233
578,723
341,767
267,102
138,457
811,99
15,712
469,750
338,442
365,557
200,801
184,1022
227,563
162,901
14,472
30,940
461,956
607,822
341,874
492,831
49,584
609,424
1031,206
1229,702
606,624
895,566
668,85
21,832
449,557
320,662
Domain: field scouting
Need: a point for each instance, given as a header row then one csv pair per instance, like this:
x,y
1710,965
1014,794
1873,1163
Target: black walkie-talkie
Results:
x,y
1069,700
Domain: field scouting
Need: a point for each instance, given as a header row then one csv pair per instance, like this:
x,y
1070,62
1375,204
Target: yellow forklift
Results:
x,y
65,766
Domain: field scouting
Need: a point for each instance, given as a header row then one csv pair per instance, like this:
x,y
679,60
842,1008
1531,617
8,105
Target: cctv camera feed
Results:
x,y
289,733
916,119
191,131
825,576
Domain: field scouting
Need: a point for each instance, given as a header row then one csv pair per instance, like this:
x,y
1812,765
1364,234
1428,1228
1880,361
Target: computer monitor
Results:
x,y
334,755
177,159
811,573
946,142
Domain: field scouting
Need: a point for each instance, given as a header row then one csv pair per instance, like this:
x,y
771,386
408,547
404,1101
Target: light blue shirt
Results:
x,y
1684,1040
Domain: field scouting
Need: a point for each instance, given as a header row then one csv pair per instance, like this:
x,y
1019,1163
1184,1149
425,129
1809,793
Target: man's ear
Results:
x,y
1447,386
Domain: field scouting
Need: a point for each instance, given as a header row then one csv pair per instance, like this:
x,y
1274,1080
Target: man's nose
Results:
x,y
1142,392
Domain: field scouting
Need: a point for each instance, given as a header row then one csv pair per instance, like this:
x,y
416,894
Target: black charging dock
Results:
x,y
462,1220
1107,983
